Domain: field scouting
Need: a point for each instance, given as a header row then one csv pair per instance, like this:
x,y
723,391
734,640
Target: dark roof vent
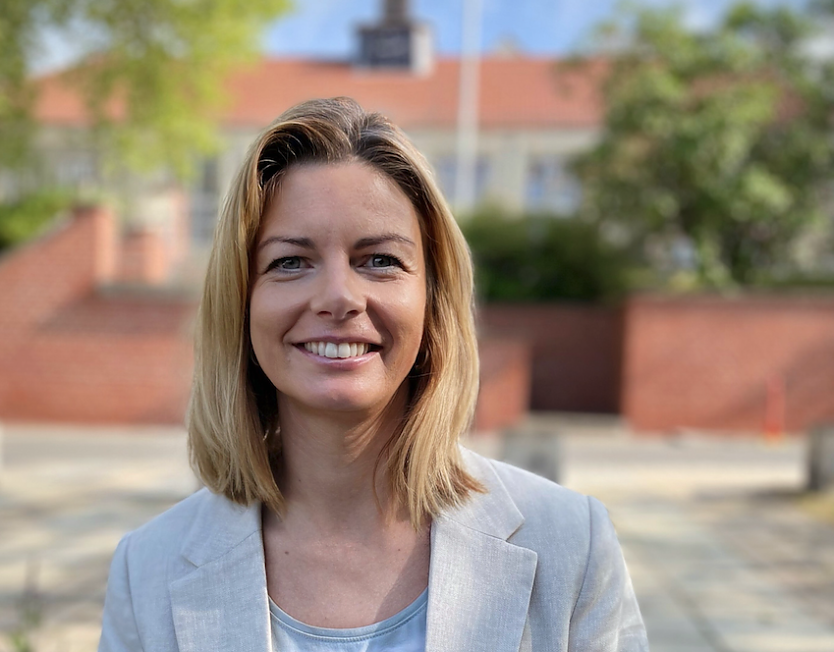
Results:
x,y
396,42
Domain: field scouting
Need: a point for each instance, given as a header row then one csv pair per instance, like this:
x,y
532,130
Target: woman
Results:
x,y
336,368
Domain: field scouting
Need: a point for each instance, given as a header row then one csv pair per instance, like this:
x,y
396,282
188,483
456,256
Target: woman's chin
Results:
x,y
337,404
361,402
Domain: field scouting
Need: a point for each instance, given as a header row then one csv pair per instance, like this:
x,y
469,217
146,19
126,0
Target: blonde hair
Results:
x,y
233,404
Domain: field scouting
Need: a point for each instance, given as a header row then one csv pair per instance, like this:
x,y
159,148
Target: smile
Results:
x,y
341,350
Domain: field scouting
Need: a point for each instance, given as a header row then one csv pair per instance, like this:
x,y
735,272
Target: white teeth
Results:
x,y
333,350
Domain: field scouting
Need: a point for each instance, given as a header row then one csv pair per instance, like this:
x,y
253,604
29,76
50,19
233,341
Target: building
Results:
x,y
533,115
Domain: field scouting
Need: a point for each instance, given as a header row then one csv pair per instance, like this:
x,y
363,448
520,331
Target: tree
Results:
x,y
719,139
150,71
543,258
16,42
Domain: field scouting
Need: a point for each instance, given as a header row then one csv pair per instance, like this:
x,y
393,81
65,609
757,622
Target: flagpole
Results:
x,y
468,99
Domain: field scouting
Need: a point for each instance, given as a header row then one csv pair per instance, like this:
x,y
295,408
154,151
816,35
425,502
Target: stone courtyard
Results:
x,y
725,551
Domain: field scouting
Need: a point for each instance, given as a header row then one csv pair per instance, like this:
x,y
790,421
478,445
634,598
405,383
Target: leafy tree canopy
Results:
x,y
543,258
150,70
721,140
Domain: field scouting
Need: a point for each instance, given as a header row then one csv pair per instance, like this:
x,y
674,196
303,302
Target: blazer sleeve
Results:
x,y
606,617
119,632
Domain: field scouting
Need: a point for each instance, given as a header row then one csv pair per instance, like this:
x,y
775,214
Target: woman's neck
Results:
x,y
332,466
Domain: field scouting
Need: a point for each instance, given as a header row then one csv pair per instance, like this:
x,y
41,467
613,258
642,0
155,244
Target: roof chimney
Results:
x,y
395,12
396,42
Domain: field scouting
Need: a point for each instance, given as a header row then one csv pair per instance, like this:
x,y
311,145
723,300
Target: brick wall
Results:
x,y
708,362
575,352
504,397
143,258
70,351
117,360
45,274
56,269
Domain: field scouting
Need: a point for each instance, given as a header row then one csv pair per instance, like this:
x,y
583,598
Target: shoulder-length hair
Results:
x,y
233,413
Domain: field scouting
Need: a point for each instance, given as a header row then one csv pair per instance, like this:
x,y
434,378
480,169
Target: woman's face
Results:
x,y
338,296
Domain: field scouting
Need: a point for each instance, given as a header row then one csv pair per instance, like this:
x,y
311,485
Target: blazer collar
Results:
x,y
479,583
223,605
219,526
493,513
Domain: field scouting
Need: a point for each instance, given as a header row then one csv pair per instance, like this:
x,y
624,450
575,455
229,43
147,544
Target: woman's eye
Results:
x,y
287,263
383,260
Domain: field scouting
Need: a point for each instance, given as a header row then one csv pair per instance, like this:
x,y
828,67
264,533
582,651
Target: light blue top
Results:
x,y
402,632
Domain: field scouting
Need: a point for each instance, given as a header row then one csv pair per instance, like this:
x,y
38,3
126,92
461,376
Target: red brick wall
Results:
x,y
55,269
504,397
105,360
70,353
707,362
143,258
48,273
575,352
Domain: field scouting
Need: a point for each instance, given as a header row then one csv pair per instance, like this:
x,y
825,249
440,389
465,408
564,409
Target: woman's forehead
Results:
x,y
341,197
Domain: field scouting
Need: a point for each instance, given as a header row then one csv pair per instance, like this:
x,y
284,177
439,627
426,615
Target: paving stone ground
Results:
x,y
722,557
66,498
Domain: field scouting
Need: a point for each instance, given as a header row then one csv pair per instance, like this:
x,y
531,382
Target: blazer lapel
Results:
x,y
479,583
223,605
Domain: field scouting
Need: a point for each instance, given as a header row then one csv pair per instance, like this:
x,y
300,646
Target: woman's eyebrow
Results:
x,y
305,243
373,241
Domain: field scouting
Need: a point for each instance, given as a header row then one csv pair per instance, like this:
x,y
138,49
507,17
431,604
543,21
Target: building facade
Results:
x,y
533,115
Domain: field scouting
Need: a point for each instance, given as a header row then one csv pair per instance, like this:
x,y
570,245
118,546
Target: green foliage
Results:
x,y
16,95
543,258
801,282
24,218
151,70
721,139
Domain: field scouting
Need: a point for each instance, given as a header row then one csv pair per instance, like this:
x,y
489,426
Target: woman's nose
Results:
x,y
339,294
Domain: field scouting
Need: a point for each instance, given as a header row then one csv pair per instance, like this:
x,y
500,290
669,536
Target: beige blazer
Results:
x,y
528,566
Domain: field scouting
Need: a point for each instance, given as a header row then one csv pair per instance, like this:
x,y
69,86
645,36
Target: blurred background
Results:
x,y
647,192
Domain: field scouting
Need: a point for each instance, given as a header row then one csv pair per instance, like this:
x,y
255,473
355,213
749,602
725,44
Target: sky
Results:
x,y
325,28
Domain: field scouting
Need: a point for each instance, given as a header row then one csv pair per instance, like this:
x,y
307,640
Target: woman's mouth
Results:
x,y
341,350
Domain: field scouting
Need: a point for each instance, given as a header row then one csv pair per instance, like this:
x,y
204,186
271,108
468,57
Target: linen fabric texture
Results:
x,y
528,566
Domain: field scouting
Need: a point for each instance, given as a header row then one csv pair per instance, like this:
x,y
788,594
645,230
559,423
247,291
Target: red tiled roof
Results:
x,y
515,92
57,103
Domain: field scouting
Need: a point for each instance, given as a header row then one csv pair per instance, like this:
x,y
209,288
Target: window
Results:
x,y
550,186
447,168
75,168
205,201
